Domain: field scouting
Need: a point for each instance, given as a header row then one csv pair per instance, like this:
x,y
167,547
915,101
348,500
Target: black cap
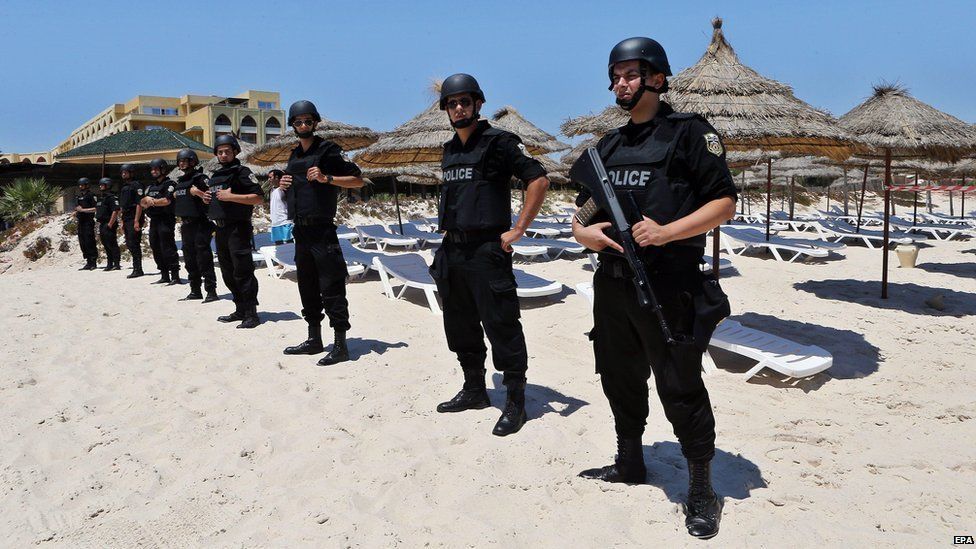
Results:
x,y
460,83
227,139
128,168
107,181
188,154
276,172
158,163
303,107
641,49
84,181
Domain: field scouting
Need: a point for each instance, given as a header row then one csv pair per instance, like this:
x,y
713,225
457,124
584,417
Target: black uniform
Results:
x,y
104,207
86,227
234,233
473,274
162,229
129,197
320,266
196,230
672,165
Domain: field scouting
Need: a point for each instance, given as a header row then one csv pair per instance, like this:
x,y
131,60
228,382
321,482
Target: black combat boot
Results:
x,y
628,467
338,353
251,319
311,346
194,293
236,316
175,278
163,277
472,396
89,266
117,266
211,295
136,270
703,511
513,418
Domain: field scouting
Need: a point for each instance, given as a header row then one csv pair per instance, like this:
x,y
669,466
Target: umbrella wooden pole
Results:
x,y
915,205
769,190
887,200
396,200
860,206
962,208
742,205
952,210
845,193
828,198
792,182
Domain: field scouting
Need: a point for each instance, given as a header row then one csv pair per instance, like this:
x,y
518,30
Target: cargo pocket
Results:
x,y
506,306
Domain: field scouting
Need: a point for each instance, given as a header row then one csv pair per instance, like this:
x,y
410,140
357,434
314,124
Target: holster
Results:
x,y
711,307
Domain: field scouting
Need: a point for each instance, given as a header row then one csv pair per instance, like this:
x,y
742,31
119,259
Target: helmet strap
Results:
x,y
464,122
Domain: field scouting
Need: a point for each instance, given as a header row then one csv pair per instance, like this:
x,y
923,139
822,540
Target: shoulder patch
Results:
x,y
170,189
139,192
525,152
713,144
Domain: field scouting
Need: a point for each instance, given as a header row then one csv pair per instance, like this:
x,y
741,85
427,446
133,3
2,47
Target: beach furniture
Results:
x,y
411,271
872,238
733,237
541,247
381,238
776,353
281,260
938,231
413,231
706,265
346,233
357,256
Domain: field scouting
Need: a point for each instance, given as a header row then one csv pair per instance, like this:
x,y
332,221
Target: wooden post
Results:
x,y
915,206
860,205
792,182
769,190
396,200
887,200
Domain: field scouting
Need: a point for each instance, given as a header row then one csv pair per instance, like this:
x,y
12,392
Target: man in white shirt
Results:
x,y
281,227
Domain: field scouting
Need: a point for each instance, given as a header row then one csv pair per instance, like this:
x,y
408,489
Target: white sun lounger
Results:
x,y
540,247
706,265
841,230
776,353
346,233
749,239
413,231
382,238
412,271
797,224
357,257
280,260
935,230
948,219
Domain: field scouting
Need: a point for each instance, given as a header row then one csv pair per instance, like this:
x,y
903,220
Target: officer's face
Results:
x,y
225,154
461,106
303,123
156,172
627,79
184,164
126,175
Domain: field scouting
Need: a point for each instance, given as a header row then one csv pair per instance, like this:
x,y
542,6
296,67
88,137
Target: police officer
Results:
x,y
673,165
107,216
316,171
158,205
196,230
132,217
473,266
231,197
85,215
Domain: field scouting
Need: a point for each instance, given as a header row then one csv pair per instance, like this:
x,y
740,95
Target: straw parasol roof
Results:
x,y
277,150
749,110
891,119
534,139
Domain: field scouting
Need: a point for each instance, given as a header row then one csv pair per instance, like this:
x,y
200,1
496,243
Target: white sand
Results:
x,y
132,419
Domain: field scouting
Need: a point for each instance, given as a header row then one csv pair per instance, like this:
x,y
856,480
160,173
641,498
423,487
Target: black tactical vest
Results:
x,y
643,171
229,177
129,198
86,200
187,205
469,198
104,207
310,199
161,189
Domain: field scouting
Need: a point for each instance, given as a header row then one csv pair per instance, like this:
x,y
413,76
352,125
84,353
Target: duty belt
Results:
x,y
305,220
471,237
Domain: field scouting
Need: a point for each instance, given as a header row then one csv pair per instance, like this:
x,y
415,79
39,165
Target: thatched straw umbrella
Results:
x,y
534,138
896,125
278,150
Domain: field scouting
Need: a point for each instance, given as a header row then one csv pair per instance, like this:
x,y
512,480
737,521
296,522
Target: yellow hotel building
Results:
x,y
255,116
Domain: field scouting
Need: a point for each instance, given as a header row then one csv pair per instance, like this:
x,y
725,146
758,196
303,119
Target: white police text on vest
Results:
x,y
629,178
458,174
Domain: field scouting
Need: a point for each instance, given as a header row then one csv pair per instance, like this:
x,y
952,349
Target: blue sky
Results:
x,y
371,62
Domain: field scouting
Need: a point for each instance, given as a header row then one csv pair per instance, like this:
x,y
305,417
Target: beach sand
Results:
x,y
131,419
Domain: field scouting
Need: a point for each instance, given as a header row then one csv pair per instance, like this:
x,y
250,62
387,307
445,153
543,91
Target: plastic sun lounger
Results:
x,y
706,265
412,271
354,255
776,353
284,257
346,233
949,220
935,230
796,224
413,231
748,239
540,247
841,230
379,236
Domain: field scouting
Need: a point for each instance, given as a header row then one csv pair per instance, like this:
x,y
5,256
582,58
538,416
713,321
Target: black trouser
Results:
x,y
197,232
86,239
133,241
321,275
110,241
478,291
162,240
236,265
629,345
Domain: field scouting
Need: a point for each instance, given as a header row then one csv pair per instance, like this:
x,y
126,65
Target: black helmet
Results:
x,y
127,168
159,164
303,107
227,139
83,181
187,154
107,181
460,83
641,49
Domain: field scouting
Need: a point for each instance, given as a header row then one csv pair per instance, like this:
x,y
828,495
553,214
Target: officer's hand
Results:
x,y
224,195
648,233
594,238
136,226
206,196
511,237
314,173
285,182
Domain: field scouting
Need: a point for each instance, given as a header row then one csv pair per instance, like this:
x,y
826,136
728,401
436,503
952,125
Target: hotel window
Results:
x,y
266,105
272,127
159,111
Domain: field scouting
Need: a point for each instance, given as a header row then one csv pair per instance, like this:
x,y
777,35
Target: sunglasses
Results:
x,y
465,102
309,123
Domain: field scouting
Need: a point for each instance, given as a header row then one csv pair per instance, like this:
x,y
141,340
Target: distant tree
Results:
x,y
27,197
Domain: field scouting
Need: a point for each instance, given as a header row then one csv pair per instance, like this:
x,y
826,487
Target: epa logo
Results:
x,y
963,540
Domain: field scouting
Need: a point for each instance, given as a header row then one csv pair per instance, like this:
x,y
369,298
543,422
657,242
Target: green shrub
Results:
x,y
27,197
